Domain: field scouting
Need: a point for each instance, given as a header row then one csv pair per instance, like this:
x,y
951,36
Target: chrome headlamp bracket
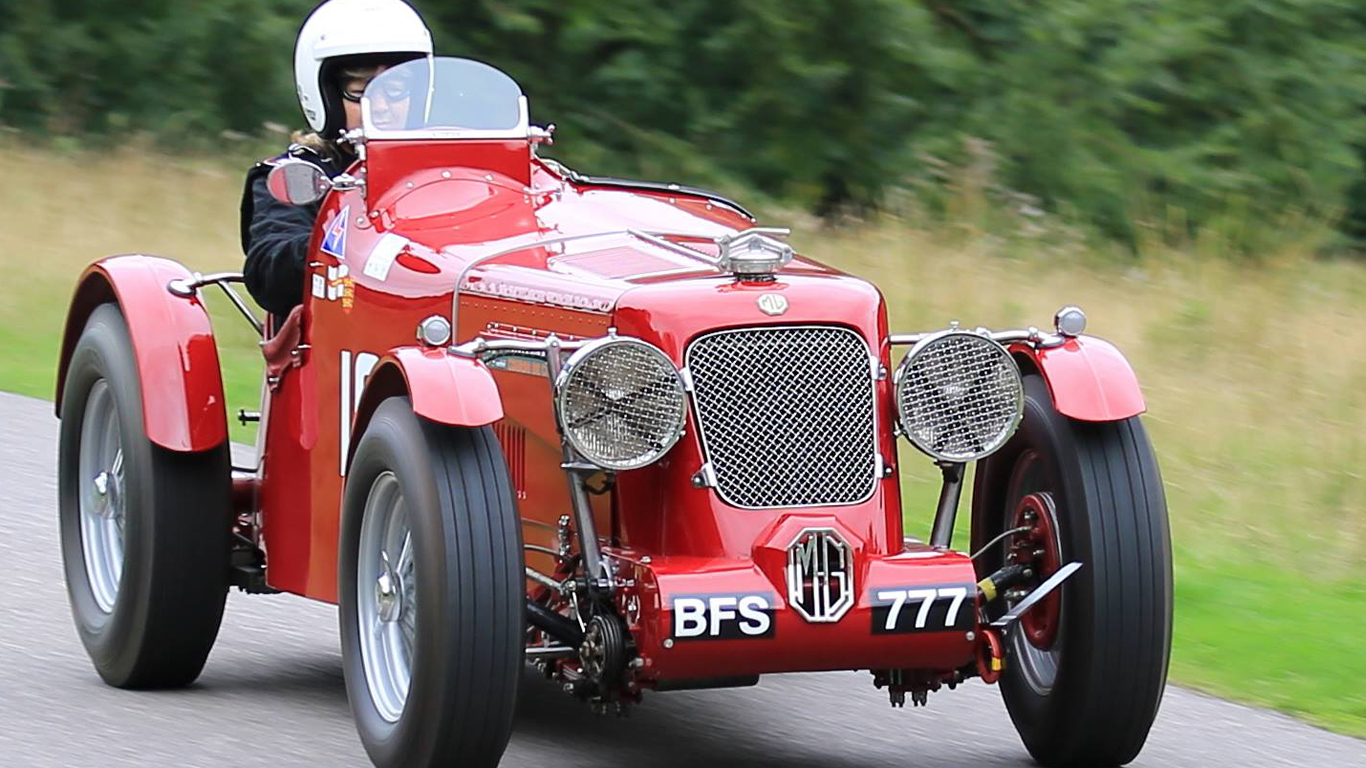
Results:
x,y
577,466
560,359
1068,323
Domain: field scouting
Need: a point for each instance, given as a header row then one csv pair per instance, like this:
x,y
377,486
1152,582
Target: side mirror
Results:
x,y
297,182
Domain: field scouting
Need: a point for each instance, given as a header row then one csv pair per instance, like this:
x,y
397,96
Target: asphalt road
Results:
x,y
272,693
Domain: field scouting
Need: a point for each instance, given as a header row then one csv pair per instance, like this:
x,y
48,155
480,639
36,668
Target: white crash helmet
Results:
x,y
340,30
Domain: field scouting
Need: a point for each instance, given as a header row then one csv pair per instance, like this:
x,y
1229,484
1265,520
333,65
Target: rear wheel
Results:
x,y
431,592
144,531
1085,669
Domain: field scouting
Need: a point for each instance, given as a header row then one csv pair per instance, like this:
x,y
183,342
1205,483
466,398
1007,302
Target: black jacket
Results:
x,y
275,237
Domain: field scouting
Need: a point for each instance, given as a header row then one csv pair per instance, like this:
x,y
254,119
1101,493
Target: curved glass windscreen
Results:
x,y
442,96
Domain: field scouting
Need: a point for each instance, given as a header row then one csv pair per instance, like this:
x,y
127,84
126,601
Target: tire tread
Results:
x,y
466,696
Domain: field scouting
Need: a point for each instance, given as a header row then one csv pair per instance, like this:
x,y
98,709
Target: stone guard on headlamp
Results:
x,y
959,396
620,402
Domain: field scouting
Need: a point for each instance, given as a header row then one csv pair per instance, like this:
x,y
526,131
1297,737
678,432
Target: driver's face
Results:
x,y
388,103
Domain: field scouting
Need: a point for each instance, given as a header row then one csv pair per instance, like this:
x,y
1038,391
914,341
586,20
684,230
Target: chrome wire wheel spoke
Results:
x,y
116,471
386,597
407,595
102,500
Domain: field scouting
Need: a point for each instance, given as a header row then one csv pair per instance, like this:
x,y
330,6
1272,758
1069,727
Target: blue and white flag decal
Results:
x,y
334,243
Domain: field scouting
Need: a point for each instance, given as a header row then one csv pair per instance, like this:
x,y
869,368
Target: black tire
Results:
x,y
176,532
1114,632
467,652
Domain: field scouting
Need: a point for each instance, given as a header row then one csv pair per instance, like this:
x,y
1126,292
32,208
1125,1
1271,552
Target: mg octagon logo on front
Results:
x,y
820,575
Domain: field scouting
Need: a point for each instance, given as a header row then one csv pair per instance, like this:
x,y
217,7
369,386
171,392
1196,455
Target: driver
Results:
x,y
341,47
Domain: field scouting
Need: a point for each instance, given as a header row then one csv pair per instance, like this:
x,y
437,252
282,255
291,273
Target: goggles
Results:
x,y
393,89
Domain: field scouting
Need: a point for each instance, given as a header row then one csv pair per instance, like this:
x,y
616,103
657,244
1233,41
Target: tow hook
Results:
x,y
990,656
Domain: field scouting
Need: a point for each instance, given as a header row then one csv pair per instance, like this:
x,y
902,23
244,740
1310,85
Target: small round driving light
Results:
x,y
1070,321
620,403
959,395
435,331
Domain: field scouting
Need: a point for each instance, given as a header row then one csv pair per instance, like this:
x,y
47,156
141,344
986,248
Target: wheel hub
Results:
x,y
388,591
108,496
1038,547
386,608
102,501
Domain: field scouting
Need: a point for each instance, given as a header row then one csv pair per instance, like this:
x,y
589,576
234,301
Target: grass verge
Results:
x,y
1255,378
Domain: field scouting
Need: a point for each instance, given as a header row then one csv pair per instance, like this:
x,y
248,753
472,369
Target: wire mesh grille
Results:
x,y
960,396
622,404
786,415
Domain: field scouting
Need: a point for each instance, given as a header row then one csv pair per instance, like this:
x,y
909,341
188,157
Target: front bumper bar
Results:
x,y
693,617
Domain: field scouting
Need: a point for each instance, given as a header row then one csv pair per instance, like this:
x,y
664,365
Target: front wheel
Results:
x,y
431,592
1086,668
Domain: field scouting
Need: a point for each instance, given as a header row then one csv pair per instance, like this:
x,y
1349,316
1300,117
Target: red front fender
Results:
x,y
445,388
177,357
1088,378
448,389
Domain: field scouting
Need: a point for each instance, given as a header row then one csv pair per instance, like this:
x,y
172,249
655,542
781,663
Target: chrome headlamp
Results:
x,y
959,395
620,402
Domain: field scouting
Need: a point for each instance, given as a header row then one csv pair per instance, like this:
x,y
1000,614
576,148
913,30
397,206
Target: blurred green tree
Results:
x,y
1166,116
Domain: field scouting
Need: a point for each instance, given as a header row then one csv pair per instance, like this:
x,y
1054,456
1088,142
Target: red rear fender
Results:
x,y
177,358
1088,378
444,388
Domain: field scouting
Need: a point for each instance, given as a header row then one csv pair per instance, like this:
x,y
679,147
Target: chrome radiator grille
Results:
x,y
786,415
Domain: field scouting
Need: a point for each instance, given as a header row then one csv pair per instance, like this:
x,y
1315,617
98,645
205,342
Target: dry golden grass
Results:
x,y
58,213
1255,376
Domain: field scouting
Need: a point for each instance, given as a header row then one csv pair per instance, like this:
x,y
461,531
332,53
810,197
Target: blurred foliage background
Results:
x,y
1131,119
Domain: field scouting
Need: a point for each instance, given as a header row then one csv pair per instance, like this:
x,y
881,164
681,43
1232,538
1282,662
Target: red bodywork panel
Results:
x,y
177,358
1088,379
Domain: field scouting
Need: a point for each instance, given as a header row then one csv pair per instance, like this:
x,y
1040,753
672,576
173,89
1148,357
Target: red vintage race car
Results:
x,y
612,430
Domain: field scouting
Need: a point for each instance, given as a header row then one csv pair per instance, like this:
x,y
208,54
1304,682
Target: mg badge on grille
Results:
x,y
820,575
772,303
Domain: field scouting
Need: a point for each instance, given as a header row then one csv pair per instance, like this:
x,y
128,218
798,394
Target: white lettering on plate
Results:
x,y
722,617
